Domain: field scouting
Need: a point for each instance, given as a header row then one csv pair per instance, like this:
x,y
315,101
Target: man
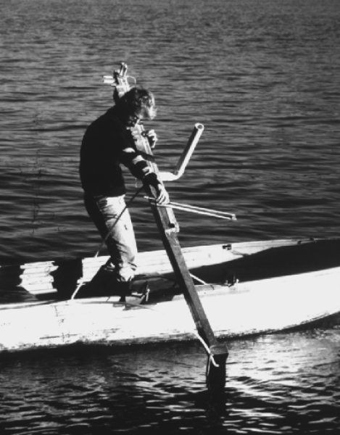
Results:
x,y
108,143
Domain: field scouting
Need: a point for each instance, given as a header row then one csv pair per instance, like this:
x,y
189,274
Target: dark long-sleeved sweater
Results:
x,y
106,145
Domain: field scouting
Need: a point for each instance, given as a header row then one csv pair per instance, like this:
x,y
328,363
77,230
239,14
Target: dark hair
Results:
x,y
137,99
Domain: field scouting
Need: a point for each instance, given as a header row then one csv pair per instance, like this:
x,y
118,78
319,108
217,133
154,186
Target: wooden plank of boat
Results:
x,y
253,307
50,277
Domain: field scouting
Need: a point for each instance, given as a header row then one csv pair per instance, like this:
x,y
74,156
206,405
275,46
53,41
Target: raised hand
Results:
x,y
152,138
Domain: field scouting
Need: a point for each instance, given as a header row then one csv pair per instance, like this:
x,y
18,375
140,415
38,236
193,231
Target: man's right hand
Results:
x,y
162,195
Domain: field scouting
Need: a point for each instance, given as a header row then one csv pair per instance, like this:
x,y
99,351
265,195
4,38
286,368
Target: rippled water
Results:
x,y
263,76
276,384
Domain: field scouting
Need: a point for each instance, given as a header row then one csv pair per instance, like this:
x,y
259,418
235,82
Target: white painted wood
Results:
x,y
247,308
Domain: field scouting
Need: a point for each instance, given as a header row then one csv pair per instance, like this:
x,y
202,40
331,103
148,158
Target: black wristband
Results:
x,y
151,179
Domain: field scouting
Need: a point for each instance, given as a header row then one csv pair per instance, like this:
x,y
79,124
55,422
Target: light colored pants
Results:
x,y
121,241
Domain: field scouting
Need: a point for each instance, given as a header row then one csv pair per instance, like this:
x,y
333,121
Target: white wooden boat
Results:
x,y
245,288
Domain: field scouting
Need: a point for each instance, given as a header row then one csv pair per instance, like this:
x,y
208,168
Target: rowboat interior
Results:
x,y
221,264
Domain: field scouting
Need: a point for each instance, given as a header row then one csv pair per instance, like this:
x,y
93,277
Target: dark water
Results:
x,y
263,76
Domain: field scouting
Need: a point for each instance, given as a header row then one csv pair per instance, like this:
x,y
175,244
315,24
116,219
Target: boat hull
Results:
x,y
254,307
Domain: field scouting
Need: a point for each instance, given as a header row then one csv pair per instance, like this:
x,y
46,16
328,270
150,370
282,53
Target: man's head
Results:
x,y
137,103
